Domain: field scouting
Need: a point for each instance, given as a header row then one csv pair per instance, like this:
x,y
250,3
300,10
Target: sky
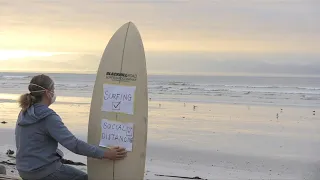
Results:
x,y
197,36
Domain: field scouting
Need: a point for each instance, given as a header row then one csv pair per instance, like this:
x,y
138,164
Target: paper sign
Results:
x,y
118,98
116,134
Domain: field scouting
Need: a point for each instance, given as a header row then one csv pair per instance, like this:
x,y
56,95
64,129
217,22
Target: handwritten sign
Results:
x,y
118,98
116,134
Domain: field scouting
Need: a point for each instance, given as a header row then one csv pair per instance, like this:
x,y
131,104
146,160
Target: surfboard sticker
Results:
x,y
123,77
118,98
114,133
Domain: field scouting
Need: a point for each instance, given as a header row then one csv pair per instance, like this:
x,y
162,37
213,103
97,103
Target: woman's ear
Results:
x,y
47,93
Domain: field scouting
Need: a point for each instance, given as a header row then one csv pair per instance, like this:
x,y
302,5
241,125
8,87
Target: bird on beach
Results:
x,y
194,107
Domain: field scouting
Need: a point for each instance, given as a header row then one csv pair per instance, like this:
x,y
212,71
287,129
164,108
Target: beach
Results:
x,y
210,140
214,141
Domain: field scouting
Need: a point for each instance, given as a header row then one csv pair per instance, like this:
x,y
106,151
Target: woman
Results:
x,y
39,130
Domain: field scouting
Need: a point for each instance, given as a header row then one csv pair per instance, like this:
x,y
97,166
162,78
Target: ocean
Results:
x,y
237,131
248,90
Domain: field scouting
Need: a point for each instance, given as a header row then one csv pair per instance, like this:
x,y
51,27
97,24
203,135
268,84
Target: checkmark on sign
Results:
x,y
116,105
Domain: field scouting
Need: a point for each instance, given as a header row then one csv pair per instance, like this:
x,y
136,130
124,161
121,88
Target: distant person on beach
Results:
x,y
39,130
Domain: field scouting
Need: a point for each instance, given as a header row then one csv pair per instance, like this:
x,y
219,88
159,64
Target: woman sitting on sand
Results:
x,y
39,130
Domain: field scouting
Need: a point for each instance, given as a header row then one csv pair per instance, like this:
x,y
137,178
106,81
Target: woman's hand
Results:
x,y
115,153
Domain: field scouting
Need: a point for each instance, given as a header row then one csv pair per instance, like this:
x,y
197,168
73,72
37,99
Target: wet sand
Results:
x,y
212,141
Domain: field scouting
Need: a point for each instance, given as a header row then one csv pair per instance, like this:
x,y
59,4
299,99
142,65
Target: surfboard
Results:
x,y
119,107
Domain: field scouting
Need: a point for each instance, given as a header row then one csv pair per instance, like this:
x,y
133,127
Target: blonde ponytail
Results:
x,y
26,101
36,88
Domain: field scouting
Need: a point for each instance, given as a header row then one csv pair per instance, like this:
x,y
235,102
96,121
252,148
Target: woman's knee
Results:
x,y
66,172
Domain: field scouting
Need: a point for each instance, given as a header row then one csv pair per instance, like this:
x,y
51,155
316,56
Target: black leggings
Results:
x,y
66,172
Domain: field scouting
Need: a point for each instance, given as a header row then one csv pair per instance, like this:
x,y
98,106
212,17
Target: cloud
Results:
x,y
233,26
57,63
184,63
247,36
244,63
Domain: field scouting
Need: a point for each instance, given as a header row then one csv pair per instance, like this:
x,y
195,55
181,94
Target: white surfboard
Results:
x,y
119,107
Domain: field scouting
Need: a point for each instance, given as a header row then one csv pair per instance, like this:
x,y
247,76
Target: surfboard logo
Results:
x,y
114,76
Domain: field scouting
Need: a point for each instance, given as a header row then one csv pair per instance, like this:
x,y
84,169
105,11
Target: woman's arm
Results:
x,y
60,133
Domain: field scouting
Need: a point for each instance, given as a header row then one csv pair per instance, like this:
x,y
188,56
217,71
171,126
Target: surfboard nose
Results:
x,y
130,25
125,27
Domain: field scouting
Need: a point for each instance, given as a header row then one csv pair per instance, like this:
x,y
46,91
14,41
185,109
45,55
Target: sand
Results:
x,y
212,141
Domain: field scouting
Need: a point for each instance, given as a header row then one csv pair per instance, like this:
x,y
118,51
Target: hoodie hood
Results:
x,y
34,114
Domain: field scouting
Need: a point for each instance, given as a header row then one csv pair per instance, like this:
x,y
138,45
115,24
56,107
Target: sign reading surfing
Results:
x,y
118,98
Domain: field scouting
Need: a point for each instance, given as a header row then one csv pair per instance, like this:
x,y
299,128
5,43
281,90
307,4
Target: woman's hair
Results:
x,y
36,92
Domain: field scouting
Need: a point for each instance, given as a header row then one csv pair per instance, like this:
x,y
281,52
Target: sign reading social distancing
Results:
x,y
115,133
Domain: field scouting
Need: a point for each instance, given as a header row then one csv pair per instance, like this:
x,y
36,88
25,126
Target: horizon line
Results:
x,y
157,73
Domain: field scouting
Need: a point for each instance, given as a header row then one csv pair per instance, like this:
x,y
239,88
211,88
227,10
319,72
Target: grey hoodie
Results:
x,y
38,132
